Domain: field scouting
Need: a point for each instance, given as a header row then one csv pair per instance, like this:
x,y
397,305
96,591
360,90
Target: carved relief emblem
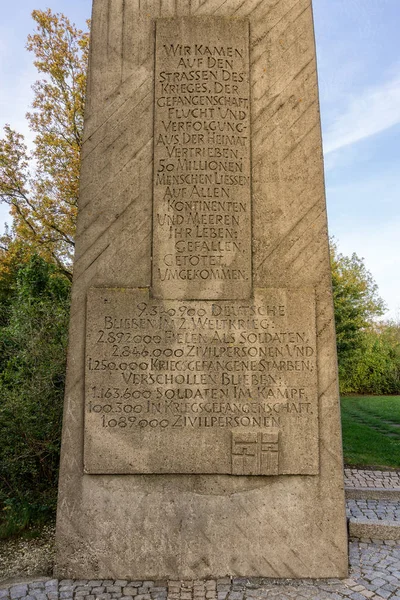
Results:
x,y
255,453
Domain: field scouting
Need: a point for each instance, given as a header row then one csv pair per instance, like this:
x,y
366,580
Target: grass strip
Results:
x,y
371,431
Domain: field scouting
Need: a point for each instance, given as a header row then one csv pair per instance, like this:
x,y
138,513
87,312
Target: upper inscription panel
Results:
x,y
202,193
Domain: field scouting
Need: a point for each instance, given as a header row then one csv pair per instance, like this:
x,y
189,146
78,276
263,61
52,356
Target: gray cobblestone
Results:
x,y
374,575
363,478
381,510
18,591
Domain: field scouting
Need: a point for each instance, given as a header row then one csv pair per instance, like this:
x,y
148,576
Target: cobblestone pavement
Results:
x,y
362,478
381,510
374,574
376,567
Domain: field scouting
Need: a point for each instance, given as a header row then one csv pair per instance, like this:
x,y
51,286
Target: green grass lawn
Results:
x,y
371,430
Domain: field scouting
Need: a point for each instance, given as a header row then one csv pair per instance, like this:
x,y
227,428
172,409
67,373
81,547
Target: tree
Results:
x,y
356,299
42,188
368,351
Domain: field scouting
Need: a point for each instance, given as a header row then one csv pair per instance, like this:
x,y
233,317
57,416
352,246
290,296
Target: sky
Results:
x,y
358,54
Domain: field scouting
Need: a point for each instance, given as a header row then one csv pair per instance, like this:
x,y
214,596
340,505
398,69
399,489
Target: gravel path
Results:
x,y
23,557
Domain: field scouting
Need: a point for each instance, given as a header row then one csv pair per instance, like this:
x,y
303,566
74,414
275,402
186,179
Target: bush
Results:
x,y
374,367
32,370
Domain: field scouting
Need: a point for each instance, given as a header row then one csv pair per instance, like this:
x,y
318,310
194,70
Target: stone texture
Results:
x,y
374,529
200,525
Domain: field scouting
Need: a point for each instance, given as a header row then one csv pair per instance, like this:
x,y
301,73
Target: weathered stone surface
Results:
x,y
374,529
121,521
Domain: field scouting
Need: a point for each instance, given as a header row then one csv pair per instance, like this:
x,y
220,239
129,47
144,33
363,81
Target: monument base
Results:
x,y
194,527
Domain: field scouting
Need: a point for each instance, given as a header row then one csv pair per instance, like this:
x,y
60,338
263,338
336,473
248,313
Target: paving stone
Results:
x,y
374,574
18,591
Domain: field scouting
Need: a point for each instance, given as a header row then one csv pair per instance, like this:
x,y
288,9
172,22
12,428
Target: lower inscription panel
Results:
x,y
201,386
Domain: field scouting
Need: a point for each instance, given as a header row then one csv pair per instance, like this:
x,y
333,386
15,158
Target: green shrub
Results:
x,y
32,370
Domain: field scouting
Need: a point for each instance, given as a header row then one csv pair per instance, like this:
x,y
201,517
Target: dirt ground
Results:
x,y
27,556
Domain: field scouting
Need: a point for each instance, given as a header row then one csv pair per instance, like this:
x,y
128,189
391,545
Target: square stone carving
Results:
x,y
255,453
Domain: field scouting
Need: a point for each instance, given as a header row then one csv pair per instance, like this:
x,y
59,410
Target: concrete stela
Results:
x,y
201,433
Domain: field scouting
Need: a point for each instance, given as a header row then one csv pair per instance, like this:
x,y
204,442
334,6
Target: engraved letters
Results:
x,y
214,381
202,373
202,211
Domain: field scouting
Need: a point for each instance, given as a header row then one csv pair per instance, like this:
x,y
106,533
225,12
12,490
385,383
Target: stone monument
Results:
x,y
201,431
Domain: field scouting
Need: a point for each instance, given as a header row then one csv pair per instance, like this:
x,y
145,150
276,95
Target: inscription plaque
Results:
x,y
201,190
201,387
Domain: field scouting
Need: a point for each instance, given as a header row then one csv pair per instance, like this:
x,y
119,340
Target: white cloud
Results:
x,y
378,246
373,111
